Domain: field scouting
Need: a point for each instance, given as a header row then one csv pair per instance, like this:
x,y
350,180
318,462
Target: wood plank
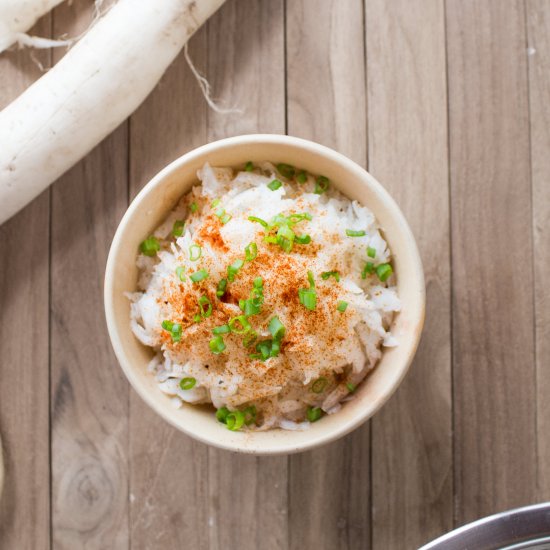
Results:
x,y
493,344
407,113
248,495
24,348
538,28
89,392
329,488
168,480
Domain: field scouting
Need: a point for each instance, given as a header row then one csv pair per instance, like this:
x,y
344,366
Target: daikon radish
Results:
x,y
92,89
18,16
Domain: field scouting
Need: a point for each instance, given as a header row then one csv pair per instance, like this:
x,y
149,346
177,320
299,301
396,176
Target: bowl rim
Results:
x,y
337,159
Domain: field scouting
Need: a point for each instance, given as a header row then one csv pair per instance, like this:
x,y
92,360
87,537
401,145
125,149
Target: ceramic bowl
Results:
x,y
156,200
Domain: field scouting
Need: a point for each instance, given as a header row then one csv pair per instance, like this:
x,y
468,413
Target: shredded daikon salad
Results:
x,y
266,293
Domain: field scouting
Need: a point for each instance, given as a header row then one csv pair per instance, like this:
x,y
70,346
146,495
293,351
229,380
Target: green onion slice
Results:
x,y
276,328
258,282
215,203
321,185
311,279
178,228
234,421
301,177
249,415
222,329
187,383
217,345
195,252
221,414
351,387
354,233
233,269
258,220
314,413
295,218
199,275
174,329
286,170
220,290
225,218
250,307
251,251
371,252
150,246
308,298
384,271
302,239
180,273
319,385
249,166
205,301
243,321
250,338
327,274
369,268
342,306
194,207
275,184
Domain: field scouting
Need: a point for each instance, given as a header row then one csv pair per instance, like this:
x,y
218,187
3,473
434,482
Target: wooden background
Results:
x,y
447,104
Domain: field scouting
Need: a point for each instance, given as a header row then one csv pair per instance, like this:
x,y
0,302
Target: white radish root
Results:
x,y
18,16
92,89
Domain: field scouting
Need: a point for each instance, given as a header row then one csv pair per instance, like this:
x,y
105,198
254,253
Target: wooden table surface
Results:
x,y
448,104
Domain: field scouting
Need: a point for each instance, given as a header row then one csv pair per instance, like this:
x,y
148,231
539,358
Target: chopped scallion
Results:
x,y
150,246
275,184
199,275
221,414
249,415
223,329
258,220
371,252
301,177
384,271
233,269
180,272
342,306
250,338
215,203
354,233
187,383
243,321
220,290
205,301
308,298
178,228
302,239
311,279
251,251
276,328
351,387
319,385
217,345
193,207
368,269
321,185
327,274
249,166
174,329
195,252
314,413
234,420
286,170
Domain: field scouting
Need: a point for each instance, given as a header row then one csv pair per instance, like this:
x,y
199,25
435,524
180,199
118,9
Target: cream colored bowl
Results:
x,y
156,200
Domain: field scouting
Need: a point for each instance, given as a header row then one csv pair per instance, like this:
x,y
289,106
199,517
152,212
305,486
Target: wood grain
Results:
x,y
538,27
407,113
329,488
247,495
493,343
24,347
168,479
89,392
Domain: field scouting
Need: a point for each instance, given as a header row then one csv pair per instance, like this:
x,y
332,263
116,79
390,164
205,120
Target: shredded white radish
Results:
x,y
85,96
18,16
